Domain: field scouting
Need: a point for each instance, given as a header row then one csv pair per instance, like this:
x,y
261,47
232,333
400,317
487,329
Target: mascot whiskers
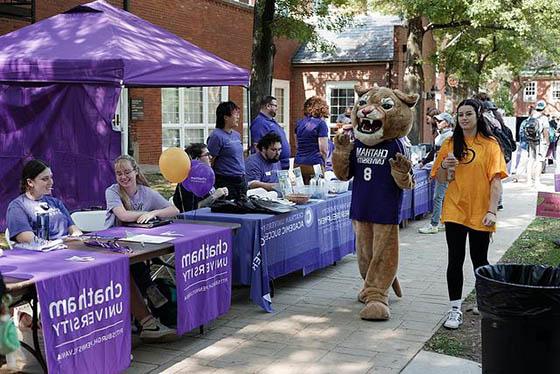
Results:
x,y
377,162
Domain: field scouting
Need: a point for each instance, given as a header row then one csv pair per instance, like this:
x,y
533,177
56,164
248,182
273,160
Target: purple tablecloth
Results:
x,y
85,310
202,266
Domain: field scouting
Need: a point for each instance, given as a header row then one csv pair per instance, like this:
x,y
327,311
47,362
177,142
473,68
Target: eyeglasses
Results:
x,y
205,154
124,172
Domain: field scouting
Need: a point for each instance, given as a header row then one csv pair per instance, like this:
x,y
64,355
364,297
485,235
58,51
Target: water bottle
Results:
x,y
42,230
450,169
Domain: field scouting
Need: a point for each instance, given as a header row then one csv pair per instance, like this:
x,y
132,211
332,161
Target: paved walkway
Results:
x,y
315,327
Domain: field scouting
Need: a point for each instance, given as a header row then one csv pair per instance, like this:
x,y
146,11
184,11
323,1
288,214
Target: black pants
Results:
x,y
456,236
237,186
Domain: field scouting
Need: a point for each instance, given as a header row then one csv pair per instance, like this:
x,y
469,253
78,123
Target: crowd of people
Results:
x,y
469,159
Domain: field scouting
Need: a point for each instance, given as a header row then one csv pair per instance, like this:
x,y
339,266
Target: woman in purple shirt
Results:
x,y
312,135
27,213
226,149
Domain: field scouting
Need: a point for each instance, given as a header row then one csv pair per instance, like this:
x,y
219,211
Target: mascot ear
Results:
x,y
360,90
409,99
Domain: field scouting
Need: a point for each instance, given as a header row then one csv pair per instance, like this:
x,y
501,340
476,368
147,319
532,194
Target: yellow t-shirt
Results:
x,y
467,197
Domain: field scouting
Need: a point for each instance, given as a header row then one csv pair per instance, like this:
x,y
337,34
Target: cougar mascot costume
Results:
x,y
376,160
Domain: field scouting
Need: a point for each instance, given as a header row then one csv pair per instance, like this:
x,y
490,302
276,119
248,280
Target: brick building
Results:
x,y
530,88
372,50
179,116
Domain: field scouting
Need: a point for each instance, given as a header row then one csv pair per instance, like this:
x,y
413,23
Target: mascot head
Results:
x,y
381,114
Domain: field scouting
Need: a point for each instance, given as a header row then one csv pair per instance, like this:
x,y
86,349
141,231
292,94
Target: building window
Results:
x,y
189,114
248,2
530,91
555,91
340,95
281,91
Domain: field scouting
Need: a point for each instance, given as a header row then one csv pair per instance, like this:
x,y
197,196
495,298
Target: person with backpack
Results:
x,y
501,132
519,167
536,132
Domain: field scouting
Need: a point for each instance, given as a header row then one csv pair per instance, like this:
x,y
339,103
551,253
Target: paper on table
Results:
x,y
143,238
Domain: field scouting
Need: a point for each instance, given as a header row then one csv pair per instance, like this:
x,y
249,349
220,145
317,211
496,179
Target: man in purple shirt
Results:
x,y
262,166
265,123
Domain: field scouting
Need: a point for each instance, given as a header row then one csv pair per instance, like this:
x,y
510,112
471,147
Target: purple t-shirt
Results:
x,y
227,150
259,169
145,199
261,126
375,195
22,216
308,132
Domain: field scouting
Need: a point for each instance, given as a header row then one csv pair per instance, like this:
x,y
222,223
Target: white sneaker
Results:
x,y
441,227
454,319
154,331
429,229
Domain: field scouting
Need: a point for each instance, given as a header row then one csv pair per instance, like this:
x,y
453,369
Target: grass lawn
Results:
x,y
534,247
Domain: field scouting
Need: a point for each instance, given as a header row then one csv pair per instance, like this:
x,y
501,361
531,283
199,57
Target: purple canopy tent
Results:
x,y
60,80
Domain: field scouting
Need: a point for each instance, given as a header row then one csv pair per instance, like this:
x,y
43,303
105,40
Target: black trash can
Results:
x,y
520,308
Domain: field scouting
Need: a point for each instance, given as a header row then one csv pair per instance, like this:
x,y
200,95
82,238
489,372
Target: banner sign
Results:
x,y
203,256
548,204
85,314
203,275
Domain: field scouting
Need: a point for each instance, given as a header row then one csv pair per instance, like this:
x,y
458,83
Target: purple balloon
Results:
x,y
200,179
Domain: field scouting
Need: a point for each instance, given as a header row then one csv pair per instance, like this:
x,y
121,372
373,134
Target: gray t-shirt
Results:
x,y
145,199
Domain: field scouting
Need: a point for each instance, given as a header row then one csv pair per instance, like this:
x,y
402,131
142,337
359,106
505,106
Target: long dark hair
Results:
x,y
459,144
30,171
225,108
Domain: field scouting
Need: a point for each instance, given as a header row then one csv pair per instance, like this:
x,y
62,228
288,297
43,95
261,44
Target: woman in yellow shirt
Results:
x,y
473,164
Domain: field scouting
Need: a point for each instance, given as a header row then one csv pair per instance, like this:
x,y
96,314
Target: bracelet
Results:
x,y
443,167
492,213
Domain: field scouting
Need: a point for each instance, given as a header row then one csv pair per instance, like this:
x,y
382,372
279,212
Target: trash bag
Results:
x,y
520,308
508,290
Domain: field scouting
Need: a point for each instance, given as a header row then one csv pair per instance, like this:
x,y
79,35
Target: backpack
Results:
x,y
532,133
504,143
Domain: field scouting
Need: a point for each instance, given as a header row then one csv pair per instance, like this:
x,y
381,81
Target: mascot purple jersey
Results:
x,y
372,178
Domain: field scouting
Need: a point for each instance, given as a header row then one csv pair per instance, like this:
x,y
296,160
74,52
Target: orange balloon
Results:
x,y
174,164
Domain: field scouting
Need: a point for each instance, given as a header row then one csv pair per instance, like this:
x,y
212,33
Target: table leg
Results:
x,y
271,284
35,327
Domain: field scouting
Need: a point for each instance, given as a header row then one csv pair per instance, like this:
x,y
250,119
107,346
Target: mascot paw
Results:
x,y
375,311
401,164
342,142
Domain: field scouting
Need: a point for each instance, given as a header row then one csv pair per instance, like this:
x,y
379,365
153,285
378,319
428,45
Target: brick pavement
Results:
x,y
315,327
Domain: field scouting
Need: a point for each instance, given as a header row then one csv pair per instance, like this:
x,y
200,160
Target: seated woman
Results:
x,y
312,135
131,200
185,200
34,215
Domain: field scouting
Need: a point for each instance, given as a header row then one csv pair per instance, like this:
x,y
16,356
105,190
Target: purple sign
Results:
x,y
200,179
85,312
203,276
203,256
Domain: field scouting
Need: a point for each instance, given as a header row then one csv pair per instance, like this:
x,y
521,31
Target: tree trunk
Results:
x,y
263,53
414,74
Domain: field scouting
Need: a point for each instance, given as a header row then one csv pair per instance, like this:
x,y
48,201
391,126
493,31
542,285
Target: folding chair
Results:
x,y
89,220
